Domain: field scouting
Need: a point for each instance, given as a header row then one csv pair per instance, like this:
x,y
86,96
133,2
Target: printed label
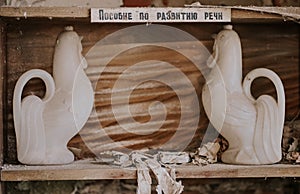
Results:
x,y
161,15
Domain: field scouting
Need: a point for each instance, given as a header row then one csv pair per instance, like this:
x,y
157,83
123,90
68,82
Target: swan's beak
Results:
x,y
84,62
211,62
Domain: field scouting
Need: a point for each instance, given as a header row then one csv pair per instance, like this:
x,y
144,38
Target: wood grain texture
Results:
x,y
2,85
45,12
30,44
88,171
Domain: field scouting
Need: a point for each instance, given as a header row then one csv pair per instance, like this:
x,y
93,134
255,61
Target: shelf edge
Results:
x,y
97,172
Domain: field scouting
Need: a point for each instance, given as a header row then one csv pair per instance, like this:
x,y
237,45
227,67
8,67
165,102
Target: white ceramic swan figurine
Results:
x,y
253,127
44,126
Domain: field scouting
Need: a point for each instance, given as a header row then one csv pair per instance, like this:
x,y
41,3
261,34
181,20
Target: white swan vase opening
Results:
x,y
44,126
253,127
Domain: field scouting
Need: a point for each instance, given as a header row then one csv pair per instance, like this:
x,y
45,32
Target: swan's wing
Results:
x,y
268,132
270,117
31,136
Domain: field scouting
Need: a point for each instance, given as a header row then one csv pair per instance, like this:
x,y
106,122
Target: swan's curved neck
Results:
x,y
230,64
64,73
67,63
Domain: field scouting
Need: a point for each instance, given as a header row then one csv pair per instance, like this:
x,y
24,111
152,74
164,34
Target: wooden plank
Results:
x,y
45,12
238,171
287,13
2,91
2,85
238,15
83,170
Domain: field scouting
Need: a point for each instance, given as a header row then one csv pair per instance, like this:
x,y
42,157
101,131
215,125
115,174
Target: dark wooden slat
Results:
x,y
2,85
2,89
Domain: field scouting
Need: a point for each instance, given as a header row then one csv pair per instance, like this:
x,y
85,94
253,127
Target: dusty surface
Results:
x,y
291,142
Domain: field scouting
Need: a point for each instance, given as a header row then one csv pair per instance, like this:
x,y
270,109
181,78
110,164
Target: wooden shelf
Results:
x,y
84,170
239,14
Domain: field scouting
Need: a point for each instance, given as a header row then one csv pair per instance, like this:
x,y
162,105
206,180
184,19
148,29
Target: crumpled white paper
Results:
x,y
161,165
207,154
158,164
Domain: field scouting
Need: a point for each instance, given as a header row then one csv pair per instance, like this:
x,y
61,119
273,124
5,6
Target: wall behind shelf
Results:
x,y
30,44
191,186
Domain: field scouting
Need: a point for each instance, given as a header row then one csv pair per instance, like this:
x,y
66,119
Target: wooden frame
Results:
x,y
2,70
85,170
2,85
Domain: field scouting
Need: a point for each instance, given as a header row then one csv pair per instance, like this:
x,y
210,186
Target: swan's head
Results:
x,y
69,47
226,44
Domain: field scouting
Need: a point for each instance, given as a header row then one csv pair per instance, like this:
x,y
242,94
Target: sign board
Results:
x,y
161,15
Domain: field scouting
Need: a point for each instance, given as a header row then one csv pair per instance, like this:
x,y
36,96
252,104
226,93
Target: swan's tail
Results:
x,y
28,118
270,117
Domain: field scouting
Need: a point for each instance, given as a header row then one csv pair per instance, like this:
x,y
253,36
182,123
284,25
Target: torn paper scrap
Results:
x,y
166,184
207,154
115,158
143,177
173,157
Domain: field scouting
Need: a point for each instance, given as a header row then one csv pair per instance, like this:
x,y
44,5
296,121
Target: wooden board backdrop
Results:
x,y
30,44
